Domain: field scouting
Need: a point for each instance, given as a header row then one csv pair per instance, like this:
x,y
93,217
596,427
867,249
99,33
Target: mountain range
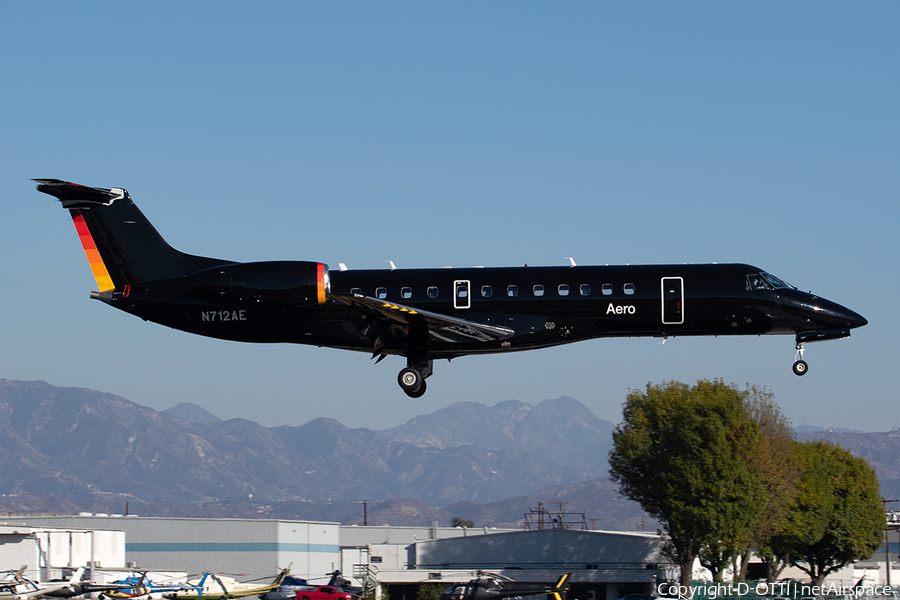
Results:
x,y
67,450
72,449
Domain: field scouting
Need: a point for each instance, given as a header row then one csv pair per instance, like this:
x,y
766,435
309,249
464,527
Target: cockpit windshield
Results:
x,y
765,281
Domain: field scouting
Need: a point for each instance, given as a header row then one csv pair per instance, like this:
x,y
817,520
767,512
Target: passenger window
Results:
x,y
356,292
585,289
606,288
629,289
512,291
381,293
432,292
462,291
563,289
406,292
538,290
486,291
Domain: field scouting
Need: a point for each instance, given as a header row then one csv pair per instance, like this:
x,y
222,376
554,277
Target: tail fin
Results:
x,y
121,245
561,586
281,575
16,575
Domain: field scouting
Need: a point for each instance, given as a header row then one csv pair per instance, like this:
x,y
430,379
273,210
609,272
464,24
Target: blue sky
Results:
x,y
457,133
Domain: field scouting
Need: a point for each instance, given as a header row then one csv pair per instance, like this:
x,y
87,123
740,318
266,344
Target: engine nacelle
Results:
x,y
264,284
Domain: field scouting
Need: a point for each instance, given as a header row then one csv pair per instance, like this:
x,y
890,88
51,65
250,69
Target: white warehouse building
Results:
x,y
52,553
252,547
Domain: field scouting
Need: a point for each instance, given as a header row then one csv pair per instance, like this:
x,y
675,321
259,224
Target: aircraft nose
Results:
x,y
856,319
835,314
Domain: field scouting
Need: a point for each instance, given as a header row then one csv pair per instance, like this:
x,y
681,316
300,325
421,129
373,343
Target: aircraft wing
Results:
x,y
440,327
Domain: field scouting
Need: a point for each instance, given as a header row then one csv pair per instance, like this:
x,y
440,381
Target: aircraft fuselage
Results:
x,y
427,314
543,306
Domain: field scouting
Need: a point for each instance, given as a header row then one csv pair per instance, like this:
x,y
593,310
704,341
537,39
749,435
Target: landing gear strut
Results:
x,y
800,367
412,379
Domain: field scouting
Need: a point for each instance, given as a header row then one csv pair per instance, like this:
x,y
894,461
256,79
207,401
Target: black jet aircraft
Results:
x,y
428,314
488,588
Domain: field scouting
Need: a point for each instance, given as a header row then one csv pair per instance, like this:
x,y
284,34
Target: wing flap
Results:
x,y
442,328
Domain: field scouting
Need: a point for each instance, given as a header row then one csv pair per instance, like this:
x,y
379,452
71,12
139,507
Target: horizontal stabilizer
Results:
x,y
73,195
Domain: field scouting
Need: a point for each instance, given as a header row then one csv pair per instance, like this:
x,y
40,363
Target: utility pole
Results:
x,y
560,516
887,545
365,504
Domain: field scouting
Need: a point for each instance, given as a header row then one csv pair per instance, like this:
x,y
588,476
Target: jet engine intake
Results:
x,y
265,284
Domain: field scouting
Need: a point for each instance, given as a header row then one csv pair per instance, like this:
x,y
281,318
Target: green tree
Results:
x,y
779,466
429,591
683,453
837,517
460,522
774,555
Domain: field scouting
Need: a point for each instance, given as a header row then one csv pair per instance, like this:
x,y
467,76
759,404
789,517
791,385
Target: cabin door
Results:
x,y
462,298
672,300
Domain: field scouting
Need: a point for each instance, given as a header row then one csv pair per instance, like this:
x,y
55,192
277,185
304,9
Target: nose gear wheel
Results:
x,y
800,366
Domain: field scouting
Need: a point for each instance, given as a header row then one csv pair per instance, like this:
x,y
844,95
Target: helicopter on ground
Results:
x,y
494,586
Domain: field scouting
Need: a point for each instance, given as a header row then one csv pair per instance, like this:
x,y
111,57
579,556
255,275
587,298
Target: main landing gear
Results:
x,y
412,379
800,367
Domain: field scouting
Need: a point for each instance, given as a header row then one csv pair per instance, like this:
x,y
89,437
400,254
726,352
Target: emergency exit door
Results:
x,y
672,300
461,296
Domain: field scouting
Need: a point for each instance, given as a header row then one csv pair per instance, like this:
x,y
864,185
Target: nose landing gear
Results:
x,y
815,335
800,366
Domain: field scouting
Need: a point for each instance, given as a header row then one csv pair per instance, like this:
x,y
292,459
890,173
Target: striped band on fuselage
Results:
x,y
320,283
101,274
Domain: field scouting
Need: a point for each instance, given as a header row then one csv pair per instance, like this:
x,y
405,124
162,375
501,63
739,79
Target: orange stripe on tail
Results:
x,y
101,274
